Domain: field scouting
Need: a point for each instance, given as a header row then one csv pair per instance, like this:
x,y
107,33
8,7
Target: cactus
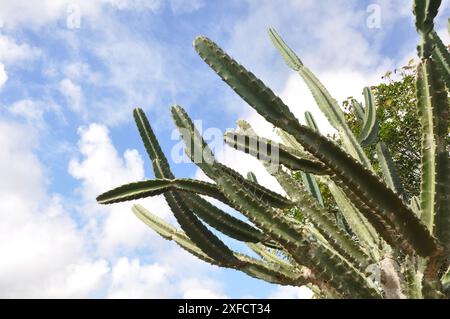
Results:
x,y
406,240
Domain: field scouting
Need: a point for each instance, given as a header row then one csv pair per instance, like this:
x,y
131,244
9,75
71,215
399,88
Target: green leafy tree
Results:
x,y
399,125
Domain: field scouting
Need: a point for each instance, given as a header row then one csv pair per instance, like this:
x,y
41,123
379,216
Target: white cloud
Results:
x,y
12,52
202,289
80,71
130,279
28,109
137,70
77,280
21,13
118,234
3,75
100,169
186,6
288,292
45,251
40,244
73,94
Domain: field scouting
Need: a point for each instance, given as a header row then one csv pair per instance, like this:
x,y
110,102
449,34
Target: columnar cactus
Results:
x,y
407,240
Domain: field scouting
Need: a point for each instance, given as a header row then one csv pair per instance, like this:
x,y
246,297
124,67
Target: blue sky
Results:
x,y
66,132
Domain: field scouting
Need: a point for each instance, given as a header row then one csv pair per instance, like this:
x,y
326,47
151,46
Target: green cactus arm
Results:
x,y
425,12
196,145
169,232
258,211
271,152
245,84
252,177
327,104
359,225
369,130
380,202
441,55
392,231
310,121
365,232
215,217
160,164
411,283
332,268
433,106
290,238
309,181
319,217
271,223
160,226
323,221
289,56
209,213
389,170
310,184
268,256
329,229
294,148
209,243
269,272
202,244
273,273
262,215
155,187
269,197
289,144
358,110
290,141
224,222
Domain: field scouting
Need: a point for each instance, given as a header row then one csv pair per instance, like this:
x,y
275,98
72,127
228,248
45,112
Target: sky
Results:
x,y
71,73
